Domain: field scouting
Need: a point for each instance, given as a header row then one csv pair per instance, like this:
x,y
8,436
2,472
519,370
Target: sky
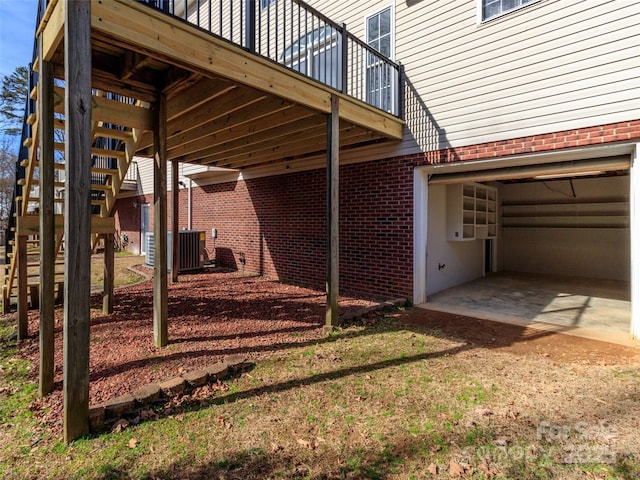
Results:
x,y
17,27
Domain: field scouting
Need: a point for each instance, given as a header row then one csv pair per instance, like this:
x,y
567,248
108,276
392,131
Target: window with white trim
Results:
x,y
317,55
264,4
495,8
380,76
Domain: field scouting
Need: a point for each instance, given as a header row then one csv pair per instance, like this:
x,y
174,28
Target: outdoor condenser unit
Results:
x,y
190,245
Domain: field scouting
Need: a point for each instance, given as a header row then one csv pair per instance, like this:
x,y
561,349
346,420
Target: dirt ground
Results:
x,y
523,341
212,315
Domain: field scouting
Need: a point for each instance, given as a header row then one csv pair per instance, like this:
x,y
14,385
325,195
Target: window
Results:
x,y
495,8
380,76
317,55
264,4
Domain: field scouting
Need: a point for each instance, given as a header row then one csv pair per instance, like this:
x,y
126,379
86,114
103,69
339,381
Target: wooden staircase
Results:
x,y
114,145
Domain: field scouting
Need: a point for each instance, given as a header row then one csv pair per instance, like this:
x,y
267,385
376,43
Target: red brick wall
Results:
x,y
278,224
127,219
614,132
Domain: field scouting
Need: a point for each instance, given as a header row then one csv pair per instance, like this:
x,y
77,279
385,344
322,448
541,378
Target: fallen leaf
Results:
x,y
133,443
488,470
502,441
432,469
455,469
483,412
120,425
304,443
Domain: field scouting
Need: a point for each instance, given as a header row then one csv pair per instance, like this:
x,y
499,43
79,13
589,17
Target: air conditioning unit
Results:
x,y
190,247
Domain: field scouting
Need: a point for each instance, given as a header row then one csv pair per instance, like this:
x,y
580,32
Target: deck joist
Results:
x,y
221,99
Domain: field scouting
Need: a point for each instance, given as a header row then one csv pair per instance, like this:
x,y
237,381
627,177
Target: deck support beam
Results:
x,y
333,201
160,287
23,318
109,267
47,227
175,222
77,217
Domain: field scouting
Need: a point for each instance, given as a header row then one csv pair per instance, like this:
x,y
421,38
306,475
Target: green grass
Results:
x,y
394,403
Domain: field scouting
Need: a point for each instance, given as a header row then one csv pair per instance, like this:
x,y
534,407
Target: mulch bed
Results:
x,y
211,315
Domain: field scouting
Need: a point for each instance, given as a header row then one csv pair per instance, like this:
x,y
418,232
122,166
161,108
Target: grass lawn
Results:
x,y
382,401
122,275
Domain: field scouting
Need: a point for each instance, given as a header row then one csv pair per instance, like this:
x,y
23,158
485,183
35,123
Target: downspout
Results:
x,y
189,213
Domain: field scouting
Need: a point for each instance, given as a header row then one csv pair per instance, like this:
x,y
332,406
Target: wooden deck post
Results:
x,y
47,227
77,217
333,200
175,222
109,265
160,287
23,318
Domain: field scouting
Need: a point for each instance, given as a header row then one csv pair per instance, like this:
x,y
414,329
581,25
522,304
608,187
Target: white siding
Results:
x,y
553,65
145,170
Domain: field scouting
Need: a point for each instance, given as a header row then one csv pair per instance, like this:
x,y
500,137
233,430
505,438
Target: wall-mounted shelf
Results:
x,y
471,212
594,214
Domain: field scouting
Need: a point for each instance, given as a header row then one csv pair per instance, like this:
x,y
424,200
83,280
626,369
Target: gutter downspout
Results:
x,y
189,212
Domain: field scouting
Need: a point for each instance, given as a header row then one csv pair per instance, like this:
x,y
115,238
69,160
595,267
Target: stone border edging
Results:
x,y
107,414
365,312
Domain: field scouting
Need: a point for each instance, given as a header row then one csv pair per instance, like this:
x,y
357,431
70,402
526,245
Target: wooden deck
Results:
x,y
226,107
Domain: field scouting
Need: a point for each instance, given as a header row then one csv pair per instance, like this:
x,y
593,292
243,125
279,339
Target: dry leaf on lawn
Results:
x,y
120,425
455,469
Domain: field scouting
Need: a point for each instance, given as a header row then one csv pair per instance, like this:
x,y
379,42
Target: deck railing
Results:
x,y
294,34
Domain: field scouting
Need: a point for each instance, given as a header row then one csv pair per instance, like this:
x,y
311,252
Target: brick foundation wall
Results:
x,y
582,137
127,220
277,224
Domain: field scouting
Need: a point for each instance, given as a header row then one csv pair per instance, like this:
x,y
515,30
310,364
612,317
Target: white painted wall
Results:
x,y
635,240
586,252
464,260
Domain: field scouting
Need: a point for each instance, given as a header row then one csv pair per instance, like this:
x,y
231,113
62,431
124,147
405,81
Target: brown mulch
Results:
x,y
211,315
215,314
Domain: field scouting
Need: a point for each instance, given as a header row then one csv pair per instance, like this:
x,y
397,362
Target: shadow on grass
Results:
x,y
408,454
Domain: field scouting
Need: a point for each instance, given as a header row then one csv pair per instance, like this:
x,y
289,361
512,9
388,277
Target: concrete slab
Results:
x,y
586,307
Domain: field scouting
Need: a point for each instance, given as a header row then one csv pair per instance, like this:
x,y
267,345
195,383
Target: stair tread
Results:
x,y
112,133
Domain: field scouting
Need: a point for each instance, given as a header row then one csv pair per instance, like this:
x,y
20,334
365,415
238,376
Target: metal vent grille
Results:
x,y
191,245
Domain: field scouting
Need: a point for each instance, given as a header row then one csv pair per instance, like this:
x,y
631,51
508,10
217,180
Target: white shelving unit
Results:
x,y
594,214
471,212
